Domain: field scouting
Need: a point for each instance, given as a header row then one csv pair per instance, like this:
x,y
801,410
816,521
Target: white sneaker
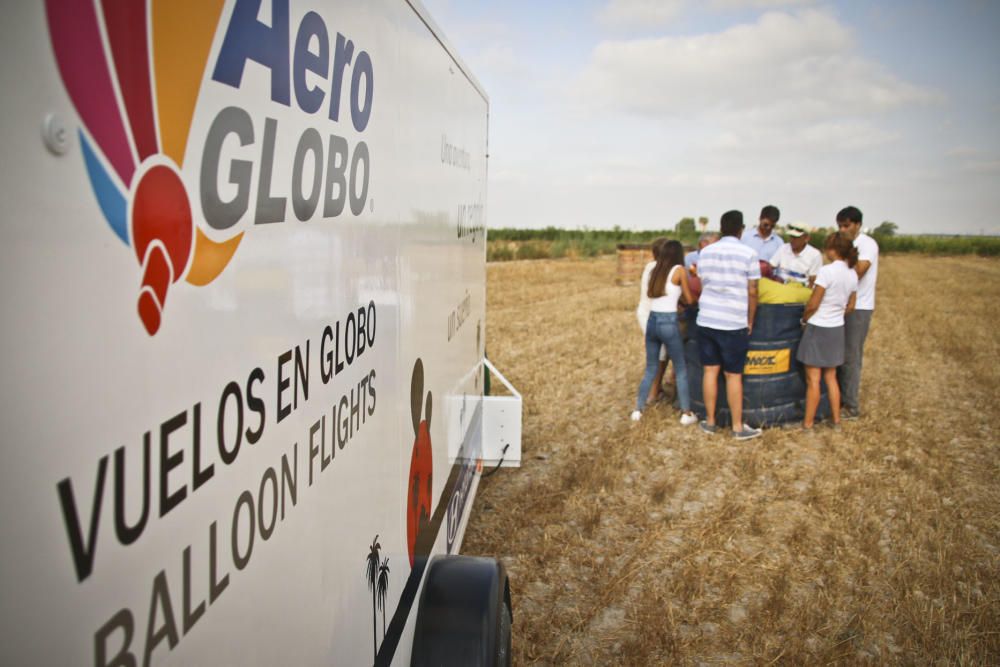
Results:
x,y
636,415
688,419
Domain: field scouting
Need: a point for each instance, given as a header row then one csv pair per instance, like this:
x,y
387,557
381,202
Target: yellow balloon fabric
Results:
x,y
769,291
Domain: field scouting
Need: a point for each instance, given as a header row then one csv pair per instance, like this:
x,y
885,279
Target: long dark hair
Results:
x,y
843,247
656,245
671,254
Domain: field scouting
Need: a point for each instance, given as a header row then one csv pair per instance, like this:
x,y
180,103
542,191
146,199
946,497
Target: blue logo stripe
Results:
x,y
110,200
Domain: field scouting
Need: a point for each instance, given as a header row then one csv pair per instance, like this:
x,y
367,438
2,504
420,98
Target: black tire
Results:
x,y
504,640
464,617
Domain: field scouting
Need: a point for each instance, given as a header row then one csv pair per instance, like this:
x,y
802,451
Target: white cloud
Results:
x,y
982,166
630,14
783,67
640,13
500,59
964,151
831,136
758,4
792,106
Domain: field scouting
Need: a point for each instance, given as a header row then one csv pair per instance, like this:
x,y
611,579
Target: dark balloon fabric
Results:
x,y
771,394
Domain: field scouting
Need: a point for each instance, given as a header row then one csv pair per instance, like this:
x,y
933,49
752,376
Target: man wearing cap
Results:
x,y
762,239
797,261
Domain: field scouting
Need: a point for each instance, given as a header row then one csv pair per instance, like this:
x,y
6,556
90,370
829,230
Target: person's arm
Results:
x,y
814,301
850,303
817,264
775,263
644,283
691,263
681,278
867,253
753,277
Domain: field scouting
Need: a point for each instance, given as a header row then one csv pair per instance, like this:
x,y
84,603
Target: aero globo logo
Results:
x,y
134,71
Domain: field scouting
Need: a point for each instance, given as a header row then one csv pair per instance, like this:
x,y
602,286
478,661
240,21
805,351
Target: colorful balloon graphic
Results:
x,y
143,136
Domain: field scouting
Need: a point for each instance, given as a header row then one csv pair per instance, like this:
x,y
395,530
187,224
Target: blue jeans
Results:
x,y
662,329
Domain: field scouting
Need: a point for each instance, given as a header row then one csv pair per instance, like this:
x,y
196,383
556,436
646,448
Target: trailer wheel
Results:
x,y
464,617
506,634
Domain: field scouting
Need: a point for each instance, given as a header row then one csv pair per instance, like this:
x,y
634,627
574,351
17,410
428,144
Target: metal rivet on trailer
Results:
x,y
55,134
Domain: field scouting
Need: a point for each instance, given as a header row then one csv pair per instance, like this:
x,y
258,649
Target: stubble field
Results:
x,y
652,543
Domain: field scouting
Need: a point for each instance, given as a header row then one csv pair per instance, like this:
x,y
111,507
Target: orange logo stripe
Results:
x,y
183,31
210,258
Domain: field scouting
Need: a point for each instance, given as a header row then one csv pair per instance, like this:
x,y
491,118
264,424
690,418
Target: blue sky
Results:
x,y
641,112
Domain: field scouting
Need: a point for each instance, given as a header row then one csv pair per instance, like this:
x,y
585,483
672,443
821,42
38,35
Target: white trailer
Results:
x,y
243,262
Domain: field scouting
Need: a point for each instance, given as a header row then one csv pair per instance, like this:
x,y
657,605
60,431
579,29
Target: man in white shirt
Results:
x,y
857,323
797,261
729,272
762,239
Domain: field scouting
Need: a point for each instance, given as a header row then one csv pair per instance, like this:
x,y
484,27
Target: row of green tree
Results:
x,y
553,242
615,235
686,228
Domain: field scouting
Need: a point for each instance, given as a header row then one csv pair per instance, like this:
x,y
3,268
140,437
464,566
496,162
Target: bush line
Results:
x,y
507,243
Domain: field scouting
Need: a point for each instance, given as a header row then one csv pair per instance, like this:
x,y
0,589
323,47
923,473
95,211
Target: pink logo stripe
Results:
x,y
76,41
126,26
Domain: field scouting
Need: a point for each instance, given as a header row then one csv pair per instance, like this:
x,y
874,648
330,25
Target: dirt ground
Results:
x,y
652,543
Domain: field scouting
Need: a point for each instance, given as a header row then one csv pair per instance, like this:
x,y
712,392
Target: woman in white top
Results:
x,y
642,314
667,282
821,349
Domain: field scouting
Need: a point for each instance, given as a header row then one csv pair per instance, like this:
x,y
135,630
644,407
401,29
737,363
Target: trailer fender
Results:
x,y
464,616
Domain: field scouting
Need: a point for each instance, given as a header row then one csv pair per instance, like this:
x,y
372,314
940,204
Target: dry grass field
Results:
x,y
653,544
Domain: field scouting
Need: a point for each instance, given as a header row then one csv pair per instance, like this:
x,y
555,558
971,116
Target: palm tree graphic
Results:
x,y
372,572
383,588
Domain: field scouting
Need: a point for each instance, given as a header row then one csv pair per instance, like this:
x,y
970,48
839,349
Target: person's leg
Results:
x,y
734,394
664,361
675,346
711,364
734,359
849,374
652,360
812,395
832,393
710,391
656,388
864,322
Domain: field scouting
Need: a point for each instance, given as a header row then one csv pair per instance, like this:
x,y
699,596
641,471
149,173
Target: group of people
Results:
x,y
723,278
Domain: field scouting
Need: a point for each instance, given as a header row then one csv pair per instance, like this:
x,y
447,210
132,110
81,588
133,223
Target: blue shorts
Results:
x,y
728,349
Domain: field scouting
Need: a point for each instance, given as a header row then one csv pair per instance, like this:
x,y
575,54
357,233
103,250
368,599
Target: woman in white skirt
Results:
x,y
821,349
642,314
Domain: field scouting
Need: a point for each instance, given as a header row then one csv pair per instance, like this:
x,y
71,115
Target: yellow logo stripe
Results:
x,y
210,258
183,31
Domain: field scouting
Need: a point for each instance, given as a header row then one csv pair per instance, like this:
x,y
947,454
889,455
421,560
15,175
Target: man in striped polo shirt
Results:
x,y
729,273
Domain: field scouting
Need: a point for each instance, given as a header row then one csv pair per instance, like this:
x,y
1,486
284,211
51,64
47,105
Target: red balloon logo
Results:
x,y
419,496
162,233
